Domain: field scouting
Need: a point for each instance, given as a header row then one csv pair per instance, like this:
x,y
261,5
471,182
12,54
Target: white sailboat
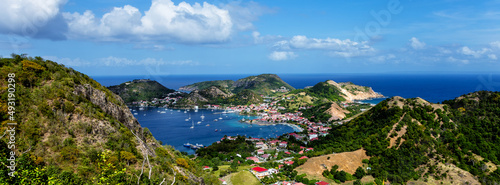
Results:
x,y
202,116
192,125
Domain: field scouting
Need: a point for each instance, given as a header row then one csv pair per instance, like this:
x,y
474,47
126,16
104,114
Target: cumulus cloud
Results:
x,y
184,23
453,59
492,56
333,46
476,54
416,44
31,17
282,55
495,44
383,58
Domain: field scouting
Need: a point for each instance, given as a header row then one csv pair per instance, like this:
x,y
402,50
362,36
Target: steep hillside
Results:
x,y
410,139
260,84
143,89
72,130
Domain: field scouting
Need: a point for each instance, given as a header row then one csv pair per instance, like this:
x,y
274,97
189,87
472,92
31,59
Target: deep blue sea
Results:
x,y
171,127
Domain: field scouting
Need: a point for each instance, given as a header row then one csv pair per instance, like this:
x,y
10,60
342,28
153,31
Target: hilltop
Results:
x,y
263,84
72,130
140,89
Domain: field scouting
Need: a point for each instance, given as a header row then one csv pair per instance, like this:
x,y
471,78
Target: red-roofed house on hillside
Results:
x,y
322,183
260,172
288,162
304,157
254,159
283,144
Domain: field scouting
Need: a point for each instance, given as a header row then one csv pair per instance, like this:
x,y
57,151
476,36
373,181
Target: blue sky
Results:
x,y
162,37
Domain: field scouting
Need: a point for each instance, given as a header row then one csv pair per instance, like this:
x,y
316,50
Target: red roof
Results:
x,y
322,183
287,153
304,157
259,169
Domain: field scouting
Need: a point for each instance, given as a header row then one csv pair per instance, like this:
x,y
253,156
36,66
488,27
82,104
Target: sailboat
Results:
x,y
220,117
202,116
192,126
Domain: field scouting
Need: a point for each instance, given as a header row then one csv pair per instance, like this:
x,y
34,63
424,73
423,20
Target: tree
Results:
x,y
129,157
360,172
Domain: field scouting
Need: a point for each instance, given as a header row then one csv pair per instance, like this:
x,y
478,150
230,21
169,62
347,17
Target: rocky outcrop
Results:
x,y
337,112
118,112
353,92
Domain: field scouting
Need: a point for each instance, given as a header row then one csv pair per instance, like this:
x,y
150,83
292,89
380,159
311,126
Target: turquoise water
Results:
x,y
172,128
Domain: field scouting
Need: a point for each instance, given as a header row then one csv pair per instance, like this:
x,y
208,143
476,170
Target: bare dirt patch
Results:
x,y
347,161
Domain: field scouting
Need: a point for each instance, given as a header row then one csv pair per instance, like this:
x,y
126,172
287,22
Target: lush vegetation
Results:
x,y
454,133
65,138
140,90
327,91
262,84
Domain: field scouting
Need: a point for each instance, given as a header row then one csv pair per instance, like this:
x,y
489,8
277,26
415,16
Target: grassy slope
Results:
x,y
70,140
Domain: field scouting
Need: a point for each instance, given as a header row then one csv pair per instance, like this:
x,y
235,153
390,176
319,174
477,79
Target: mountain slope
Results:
x,y
410,139
72,130
263,84
137,90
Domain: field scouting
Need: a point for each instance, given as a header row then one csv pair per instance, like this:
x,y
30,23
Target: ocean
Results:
x,y
171,127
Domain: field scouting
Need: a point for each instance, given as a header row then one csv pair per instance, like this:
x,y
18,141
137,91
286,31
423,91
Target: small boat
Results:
x,y
216,130
192,125
216,120
199,145
187,145
207,125
135,113
202,116
194,147
198,122
163,112
142,108
185,112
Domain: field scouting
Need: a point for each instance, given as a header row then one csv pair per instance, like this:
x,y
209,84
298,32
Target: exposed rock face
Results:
x,y
119,112
337,112
353,92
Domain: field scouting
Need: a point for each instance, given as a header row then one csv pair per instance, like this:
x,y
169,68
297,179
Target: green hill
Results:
x,y
411,139
72,130
263,84
143,89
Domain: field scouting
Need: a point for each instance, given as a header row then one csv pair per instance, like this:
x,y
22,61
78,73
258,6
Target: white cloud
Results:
x,y
183,23
335,47
25,17
476,54
492,56
282,55
257,39
416,44
453,59
383,58
495,44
